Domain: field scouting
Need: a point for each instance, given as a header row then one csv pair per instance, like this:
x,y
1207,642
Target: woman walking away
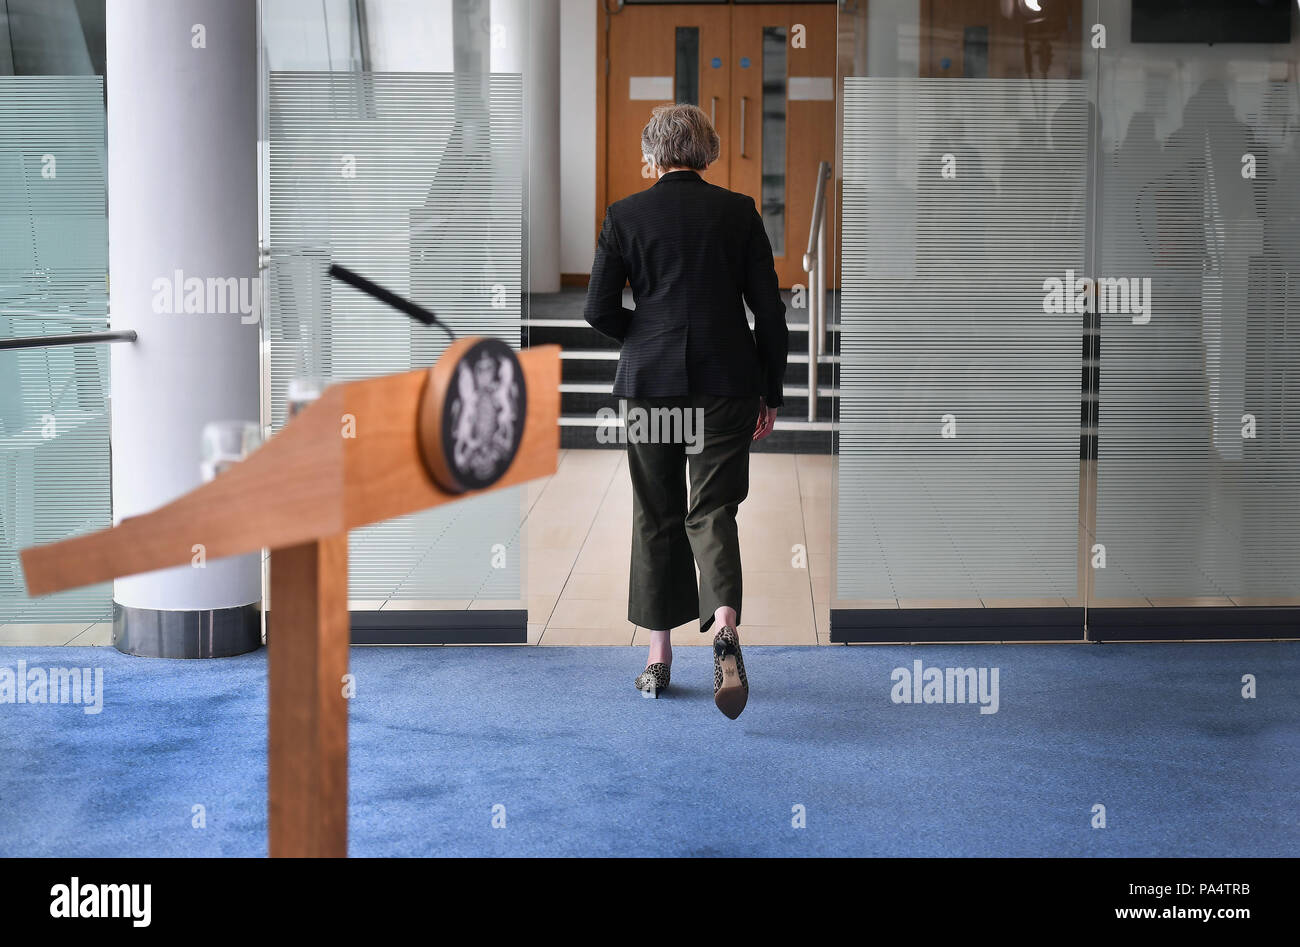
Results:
x,y
698,385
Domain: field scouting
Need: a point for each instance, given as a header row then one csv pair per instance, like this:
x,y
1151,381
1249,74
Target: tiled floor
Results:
x,y
69,633
579,542
579,532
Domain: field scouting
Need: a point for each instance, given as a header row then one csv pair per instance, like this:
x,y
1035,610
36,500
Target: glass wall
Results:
x,y
959,424
1198,469
54,478
415,179
1067,391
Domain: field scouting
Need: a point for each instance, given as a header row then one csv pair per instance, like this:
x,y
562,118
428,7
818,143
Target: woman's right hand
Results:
x,y
766,420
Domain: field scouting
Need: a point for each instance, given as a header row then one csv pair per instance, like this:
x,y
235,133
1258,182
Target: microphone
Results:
x,y
416,312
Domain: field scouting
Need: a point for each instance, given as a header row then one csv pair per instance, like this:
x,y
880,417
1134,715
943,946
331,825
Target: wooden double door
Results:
x,y
765,73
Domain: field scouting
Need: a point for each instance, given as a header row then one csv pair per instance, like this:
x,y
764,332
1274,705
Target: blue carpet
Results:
x,y
1158,734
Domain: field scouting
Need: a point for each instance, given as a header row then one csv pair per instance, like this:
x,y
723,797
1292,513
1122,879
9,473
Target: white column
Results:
x,y
578,24
526,39
182,207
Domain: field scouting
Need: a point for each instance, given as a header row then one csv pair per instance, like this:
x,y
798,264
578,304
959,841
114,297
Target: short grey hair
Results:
x,y
680,136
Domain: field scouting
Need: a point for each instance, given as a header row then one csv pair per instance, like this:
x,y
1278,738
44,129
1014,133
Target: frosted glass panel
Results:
x,y
415,181
959,438
1198,469
54,460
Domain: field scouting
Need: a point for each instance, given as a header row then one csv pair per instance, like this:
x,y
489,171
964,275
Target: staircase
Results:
x,y
589,360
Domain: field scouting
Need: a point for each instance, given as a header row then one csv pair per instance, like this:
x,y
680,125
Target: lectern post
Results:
x,y
307,768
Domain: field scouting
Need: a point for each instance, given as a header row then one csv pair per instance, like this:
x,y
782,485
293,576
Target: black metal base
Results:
x,y
203,633
1190,623
439,626
995,625
436,626
912,625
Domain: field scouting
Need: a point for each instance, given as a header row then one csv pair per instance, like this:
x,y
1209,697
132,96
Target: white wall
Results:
x,y
578,24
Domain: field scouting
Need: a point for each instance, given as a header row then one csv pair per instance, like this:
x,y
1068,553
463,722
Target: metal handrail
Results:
x,y
814,264
819,210
81,338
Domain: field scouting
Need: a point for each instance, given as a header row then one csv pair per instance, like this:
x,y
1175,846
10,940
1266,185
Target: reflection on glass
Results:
x,y
911,338
303,391
687,80
774,90
297,289
975,52
441,225
1215,242
226,443
54,423
1145,153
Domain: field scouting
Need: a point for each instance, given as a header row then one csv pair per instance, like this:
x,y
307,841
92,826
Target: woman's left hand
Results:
x,y
766,420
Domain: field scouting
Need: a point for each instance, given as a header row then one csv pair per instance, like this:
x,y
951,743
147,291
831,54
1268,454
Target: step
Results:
x,y
575,333
571,301
570,322
585,365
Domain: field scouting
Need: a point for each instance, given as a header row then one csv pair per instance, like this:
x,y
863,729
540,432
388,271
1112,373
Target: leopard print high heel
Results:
x,y
730,685
653,680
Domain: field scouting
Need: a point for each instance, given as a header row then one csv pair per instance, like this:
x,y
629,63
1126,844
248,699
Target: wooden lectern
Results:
x,y
481,418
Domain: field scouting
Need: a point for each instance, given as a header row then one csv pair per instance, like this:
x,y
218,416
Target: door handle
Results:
x,y
713,113
744,101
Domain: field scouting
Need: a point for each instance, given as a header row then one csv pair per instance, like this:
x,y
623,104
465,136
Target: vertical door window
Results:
x,y
773,136
686,83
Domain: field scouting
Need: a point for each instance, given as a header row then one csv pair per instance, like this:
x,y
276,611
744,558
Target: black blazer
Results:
x,y
691,251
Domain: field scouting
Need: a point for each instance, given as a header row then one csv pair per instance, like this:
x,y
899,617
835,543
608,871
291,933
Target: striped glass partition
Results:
x,y
1198,468
415,181
958,479
54,425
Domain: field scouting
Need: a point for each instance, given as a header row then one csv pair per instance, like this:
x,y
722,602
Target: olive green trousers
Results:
x,y
710,436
